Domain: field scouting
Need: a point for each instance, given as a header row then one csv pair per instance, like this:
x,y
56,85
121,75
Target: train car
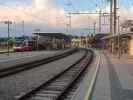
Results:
x,y
26,45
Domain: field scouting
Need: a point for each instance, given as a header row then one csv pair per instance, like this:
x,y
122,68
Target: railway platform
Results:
x,y
115,78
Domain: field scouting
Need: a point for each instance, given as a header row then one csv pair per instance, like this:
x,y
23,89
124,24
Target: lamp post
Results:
x,y
94,28
99,11
100,21
8,26
37,30
119,37
23,26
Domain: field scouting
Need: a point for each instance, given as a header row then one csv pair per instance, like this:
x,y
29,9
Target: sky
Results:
x,y
52,15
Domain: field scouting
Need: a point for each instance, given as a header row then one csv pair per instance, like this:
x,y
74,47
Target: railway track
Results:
x,y
5,52
57,87
18,68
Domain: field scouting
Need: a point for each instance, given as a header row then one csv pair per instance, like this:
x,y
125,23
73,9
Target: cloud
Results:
x,y
126,13
48,13
42,4
41,11
14,13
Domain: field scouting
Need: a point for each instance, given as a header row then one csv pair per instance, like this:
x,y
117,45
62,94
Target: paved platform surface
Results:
x,y
115,78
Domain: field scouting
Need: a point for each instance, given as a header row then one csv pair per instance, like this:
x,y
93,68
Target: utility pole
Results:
x,y
23,27
67,28
119,37
89,29
70,22
100,21
105,22
111,6
94,28
115,16
68,25
37,41
115,24
8,38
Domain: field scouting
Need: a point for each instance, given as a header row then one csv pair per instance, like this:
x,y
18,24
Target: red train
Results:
x,y
26,45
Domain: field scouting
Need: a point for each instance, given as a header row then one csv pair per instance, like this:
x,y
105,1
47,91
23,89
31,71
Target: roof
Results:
x,y
125,34
100,35
127,23
53,34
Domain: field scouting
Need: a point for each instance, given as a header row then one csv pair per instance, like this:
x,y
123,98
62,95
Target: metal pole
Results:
x,y
94,28
37,41
70,22
115,15
8,38
115,24
23,27
111,4
119,38
100,21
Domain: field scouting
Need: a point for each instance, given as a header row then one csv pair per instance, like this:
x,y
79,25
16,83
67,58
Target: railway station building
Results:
x,y
52,41
80,41
122,43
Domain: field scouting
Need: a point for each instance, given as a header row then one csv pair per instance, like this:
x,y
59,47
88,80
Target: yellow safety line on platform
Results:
x,y
88,94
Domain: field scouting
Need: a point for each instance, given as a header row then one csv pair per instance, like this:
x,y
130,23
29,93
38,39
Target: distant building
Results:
x,y
110,43
52,41
127,25
96,41
3,42
79,41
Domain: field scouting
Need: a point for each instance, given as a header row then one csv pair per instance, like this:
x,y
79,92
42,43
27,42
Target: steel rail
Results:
x,y
4,52
85,65
22,67
61,83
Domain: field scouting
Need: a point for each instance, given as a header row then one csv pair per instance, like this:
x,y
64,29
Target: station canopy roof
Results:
x,y
127,23
124,34
53,34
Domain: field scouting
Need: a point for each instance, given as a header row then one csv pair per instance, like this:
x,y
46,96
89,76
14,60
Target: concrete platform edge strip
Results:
x,y
93,80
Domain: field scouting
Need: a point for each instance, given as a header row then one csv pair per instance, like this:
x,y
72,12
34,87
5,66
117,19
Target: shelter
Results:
x,y
53,40
122,42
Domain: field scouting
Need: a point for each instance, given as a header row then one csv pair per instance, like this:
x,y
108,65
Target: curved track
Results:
x,y
57,87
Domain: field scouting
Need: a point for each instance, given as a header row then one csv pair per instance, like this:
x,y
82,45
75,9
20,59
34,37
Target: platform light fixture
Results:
x,y
8,38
